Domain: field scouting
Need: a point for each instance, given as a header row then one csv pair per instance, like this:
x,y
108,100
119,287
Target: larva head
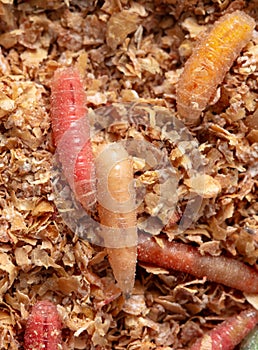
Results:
x,y
114,170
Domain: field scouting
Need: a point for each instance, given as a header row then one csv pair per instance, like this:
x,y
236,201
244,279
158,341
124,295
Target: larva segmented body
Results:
x,y
229,333
117,212
71,133
182,257
43,329
209,63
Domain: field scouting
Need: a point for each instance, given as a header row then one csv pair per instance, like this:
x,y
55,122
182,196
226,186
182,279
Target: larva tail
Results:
x,y
122,261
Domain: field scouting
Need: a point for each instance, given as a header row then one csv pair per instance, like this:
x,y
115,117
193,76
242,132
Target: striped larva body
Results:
x,y
116,208
43,329
71,134
229,333
209,63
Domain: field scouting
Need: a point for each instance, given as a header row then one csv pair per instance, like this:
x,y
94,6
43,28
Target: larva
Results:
x,y
209,63
116,208
182,257
43,329
229,333
71,134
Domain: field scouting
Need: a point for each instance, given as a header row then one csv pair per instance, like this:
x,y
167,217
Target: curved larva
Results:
x,y
210,61
71,133
229,333
43,329
116,208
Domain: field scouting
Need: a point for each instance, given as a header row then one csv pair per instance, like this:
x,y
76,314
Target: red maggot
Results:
x,y
185,258
71,132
